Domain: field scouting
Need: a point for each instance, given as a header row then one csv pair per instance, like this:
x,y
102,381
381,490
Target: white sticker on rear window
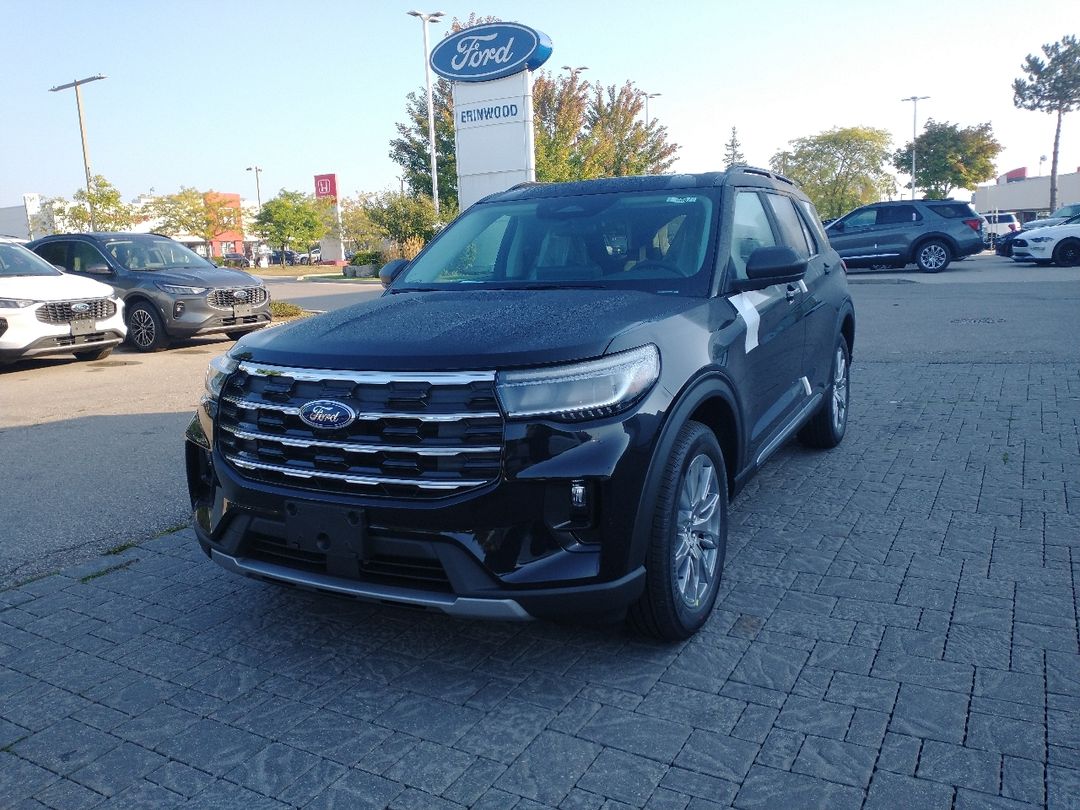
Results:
x,y
681,200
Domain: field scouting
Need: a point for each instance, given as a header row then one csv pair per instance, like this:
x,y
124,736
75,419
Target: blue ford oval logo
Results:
x,y
486,52
240,295
326,413
80,307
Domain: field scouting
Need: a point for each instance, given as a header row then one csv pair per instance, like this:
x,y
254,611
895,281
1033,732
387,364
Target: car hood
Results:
x,y
477,329
210,277
52,288
1043,223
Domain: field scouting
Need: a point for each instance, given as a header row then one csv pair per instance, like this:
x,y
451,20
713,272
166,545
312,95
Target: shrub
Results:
x,y
283,309
362,257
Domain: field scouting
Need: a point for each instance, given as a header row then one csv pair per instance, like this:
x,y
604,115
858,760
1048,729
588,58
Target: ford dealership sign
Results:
x,y
486,52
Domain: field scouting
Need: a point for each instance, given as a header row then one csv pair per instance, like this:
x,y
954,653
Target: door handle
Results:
x,y
791,290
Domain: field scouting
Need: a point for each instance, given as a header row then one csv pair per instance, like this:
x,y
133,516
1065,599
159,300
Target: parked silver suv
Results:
x,y
928,233
169,292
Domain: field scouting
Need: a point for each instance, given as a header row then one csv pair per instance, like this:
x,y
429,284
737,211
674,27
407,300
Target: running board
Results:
x,y
796,422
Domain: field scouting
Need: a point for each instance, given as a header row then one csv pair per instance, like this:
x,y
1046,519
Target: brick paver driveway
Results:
x,y
897,628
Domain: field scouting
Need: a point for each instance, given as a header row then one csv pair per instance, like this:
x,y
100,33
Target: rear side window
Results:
x,y
953,210
54,253
811,216
791,227
898,214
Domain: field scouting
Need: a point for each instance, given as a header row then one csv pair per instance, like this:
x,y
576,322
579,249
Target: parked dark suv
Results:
x,y
169,291
547,411
928,233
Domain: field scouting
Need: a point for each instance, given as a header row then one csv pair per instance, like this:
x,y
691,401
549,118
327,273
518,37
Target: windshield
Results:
x,y
1067,211
649,241
153,253
15,260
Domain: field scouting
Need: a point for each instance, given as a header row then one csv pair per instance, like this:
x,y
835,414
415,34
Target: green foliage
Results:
x,y
1053,86
410,149
840,169
948,157
285,309
206,215
363,257
111,213
291,218
733,155
402,217
357,229
623,145
562,145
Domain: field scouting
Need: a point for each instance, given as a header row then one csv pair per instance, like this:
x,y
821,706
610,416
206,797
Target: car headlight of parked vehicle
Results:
x,y
589,390
16,303
1040,239
220,369
179,289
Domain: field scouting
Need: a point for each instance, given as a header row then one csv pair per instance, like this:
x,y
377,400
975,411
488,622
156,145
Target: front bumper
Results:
x,y
515,548
23,336
190,316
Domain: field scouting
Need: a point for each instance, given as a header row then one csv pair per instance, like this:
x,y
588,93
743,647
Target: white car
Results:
x,y
1059,244
46,312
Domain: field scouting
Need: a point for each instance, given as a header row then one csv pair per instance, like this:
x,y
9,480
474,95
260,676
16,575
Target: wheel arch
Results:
x,y
709,399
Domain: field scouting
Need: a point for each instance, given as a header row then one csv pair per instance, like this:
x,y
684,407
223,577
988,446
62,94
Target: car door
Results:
x,y
771,363
853,236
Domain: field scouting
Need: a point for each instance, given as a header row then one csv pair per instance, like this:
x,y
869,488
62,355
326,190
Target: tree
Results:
x,y
357,229
111,213
622,144
733,155
562,145
1053,86
206,215
840,169
949,157
402,217
410,149
291,218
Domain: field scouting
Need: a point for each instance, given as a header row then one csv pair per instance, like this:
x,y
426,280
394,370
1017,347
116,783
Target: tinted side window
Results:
x,y
791,227
897,214
952,210
54,253
810,215
750,229
862,219
83,256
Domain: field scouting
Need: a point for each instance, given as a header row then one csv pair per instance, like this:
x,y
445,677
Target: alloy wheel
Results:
x,y
698,530
840,391
142,327
934,256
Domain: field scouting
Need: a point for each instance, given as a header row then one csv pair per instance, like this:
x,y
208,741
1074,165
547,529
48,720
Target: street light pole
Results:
x,y
258,191
426,18
647,97
914,124
77,84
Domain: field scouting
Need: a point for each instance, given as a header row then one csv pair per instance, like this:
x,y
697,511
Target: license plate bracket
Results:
x,y
83,326
332,530
242,310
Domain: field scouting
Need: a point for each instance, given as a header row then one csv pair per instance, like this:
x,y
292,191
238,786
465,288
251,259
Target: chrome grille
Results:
x,y
227,298
98,309
415,435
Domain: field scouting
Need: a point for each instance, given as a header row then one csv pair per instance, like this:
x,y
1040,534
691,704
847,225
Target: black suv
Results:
x,y
169,291
547,411
930,233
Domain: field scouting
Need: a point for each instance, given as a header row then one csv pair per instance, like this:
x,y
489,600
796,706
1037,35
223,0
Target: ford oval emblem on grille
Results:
x,y
80,307
326,413
240,295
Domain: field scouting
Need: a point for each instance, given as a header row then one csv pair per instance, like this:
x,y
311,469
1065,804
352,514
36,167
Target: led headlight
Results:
x,y
15,303
589,390
220,369
179,289
1040,239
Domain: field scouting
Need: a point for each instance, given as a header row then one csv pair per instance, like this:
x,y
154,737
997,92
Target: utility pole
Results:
x,y
77,84
426,18
914,125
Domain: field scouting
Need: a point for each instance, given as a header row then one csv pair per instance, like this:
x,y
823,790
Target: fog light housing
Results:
x,y
579,501
178,309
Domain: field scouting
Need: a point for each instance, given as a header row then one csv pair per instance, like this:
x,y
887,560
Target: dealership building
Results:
x,y
1027,197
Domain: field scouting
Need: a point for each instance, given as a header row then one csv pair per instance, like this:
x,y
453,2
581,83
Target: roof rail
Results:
x,y
764,173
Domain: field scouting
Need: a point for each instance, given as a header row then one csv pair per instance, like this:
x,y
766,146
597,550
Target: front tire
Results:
x,y
685,558
146,332
933,256
97,354
1067,253
827,427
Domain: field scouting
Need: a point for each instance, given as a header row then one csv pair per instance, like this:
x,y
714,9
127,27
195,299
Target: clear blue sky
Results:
x,y
197,89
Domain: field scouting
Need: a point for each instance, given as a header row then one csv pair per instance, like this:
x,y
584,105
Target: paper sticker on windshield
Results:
x,y
682,200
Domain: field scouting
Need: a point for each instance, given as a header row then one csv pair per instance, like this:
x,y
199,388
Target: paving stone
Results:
x,y
1005,735
357,790
1023,780
769,666
66,746
533,776
429,767
180,778
68,795
664,799
899,754
698,785
212,747
112,772
475,781
836,761
144,794
969,800
964,767
624,777
692,707
430,719
867,728
1062,788
780,749
506,731
890,790
842,657
930,713
863,691
636,733
817,717
718,755
755,723
769,788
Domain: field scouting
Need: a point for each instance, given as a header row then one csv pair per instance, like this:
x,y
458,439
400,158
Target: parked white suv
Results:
x,y
998,224
46,312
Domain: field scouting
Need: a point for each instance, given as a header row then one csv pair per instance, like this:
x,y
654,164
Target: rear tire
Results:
x,y
826,428
685,557
933,256
97,354
146,332
1067,253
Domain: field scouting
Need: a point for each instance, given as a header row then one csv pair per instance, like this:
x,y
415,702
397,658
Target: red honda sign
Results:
x,y
326,186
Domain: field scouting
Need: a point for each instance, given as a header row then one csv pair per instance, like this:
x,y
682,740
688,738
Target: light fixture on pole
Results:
x,y
914,124
77,84
574,71
647,97
1042,160
426,18
258,191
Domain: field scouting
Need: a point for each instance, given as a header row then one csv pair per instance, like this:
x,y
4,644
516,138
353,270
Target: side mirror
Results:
x,y
771,265
391,270
837,226
98,270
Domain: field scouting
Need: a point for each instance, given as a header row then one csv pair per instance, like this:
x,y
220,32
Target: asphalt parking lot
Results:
x,y
897,625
